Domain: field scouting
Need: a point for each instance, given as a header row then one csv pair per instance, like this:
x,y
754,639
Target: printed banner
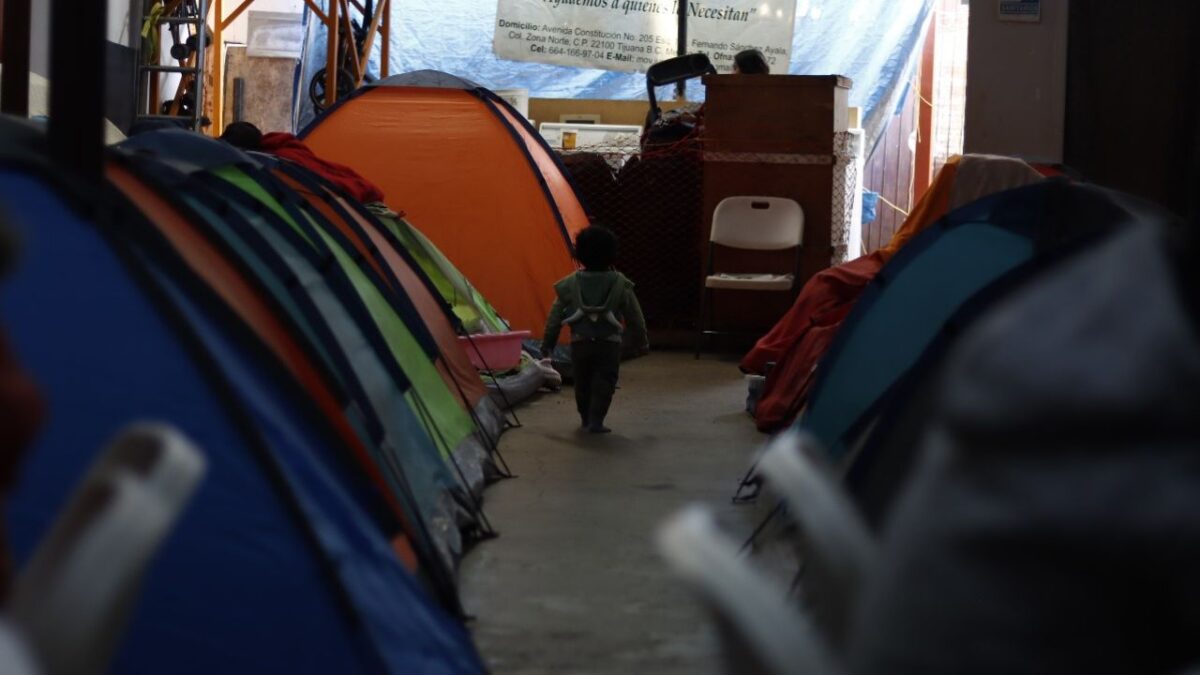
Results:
x,y
632,35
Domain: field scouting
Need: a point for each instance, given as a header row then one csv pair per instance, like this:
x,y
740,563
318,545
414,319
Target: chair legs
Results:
x,y
704,292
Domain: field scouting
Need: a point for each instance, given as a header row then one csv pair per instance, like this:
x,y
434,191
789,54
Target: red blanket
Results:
x,y
799,340
824,292
289,147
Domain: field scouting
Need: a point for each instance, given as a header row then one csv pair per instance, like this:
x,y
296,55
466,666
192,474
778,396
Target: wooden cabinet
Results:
x,y
775,136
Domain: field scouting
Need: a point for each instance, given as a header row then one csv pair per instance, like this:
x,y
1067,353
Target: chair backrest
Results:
x,y
761,631
678,69
758,223
674,70
73,598
841,550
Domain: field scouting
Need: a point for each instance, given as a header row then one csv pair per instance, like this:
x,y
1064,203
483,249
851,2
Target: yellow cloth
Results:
x,y
150,31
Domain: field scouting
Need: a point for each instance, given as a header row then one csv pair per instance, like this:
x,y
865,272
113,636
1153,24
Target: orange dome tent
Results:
x,y
472,174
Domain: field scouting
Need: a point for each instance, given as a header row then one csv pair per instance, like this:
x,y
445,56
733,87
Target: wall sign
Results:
x,y
631,35
1027,11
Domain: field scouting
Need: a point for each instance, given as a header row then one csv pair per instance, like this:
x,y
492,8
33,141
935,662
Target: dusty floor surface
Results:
x,y
574,584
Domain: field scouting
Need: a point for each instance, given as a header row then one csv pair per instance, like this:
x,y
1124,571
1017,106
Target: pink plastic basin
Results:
x,y
496,351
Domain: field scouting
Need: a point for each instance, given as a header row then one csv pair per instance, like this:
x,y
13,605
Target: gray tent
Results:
x,y
1053,522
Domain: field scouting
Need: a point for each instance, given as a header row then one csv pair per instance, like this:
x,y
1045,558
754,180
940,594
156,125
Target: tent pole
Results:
x,y
77,85
426,418
516,423
761,526
331,54
747,480
443,587
681,46
14,53
492,443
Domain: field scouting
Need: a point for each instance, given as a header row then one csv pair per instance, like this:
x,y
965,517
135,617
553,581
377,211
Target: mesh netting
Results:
x,y
652,200
846,229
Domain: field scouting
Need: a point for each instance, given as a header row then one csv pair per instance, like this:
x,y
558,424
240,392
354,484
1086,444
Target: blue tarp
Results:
x,y
873,42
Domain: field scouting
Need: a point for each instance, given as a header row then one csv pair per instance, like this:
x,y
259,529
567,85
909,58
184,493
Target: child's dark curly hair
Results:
x,y
596,248
243,135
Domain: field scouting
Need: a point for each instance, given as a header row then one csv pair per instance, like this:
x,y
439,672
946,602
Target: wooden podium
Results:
x,y
774,136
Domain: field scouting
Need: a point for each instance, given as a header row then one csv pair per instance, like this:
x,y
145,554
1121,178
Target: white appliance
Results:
x,y
608,138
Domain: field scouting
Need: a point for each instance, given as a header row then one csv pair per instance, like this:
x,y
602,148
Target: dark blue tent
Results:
x,y
936,284
282,562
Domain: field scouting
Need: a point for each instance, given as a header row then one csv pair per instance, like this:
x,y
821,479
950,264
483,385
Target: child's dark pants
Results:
x,y
595,365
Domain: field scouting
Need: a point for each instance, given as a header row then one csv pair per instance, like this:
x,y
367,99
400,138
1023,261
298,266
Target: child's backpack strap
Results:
x,y
594,314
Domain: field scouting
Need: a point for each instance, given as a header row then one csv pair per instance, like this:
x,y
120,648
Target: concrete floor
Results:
x,y
573,584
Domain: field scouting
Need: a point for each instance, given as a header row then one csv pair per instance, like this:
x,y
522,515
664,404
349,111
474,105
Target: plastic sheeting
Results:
x,y
873,42
516,388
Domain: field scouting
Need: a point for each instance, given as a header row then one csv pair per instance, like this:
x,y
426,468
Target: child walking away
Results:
x,y
593,302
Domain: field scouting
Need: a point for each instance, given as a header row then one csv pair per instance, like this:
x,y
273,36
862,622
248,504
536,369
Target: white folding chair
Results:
x,y
72,600
761,632
750,224
840,552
